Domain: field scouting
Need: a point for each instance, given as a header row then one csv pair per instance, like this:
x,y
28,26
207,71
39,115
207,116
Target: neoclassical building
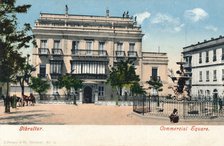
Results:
x,y
88,46
205,61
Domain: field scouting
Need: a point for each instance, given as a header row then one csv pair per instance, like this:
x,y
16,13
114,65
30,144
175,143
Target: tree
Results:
x,y
157,85
68,82
24,74
39,85
137,89
12,39
123,74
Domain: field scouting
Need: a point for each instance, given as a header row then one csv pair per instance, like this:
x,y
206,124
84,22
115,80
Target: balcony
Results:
x,y
155,78
55,75
43,51
132,54
41,75
91,76
91,55
57,52
187,66
120,54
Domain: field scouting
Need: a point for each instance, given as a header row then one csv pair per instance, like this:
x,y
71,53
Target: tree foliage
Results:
x,y
12,39
156,84
123,74
24,74
68,82
137,89
39,85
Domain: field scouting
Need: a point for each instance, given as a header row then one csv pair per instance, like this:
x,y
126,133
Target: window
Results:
x,y
89,47
200,57
43,44
214,75
101,91
154,73
56,67
207,56
200,93
43,47
200,76
207,93
132,49
120,49
207,76
42,70
56,44
223,74
75,46
92,67
102,48
214,55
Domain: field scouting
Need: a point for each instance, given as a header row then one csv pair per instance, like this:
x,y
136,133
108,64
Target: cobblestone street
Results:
x,y
87,114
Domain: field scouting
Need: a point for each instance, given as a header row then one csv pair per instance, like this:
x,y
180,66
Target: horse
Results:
x,y
28,99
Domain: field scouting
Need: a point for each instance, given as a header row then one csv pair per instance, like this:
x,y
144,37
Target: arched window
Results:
x,y
215,94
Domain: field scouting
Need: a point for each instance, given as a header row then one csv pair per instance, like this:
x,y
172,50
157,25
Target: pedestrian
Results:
x,y
174,118
220,104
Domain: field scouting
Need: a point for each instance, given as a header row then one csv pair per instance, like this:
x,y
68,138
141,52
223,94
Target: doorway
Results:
x,y
87,95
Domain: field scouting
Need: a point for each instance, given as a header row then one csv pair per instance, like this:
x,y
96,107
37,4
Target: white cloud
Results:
x,y
212,28
141,17
167,23
196,14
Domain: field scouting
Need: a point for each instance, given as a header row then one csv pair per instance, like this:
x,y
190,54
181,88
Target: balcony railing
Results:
x,y
187,65
55,75
43,51
91,76
155,78
89,53
132,54
57,51
120,54
41,75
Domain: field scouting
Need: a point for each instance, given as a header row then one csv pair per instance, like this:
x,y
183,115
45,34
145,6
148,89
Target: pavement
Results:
x,y
87,114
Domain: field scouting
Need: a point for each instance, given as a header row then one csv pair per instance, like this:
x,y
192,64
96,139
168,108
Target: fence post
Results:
x,y
184,102
143,105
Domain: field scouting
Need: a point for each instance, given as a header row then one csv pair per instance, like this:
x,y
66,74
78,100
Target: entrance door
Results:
x,y
87,95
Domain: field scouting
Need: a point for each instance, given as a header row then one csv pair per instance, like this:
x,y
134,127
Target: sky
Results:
x,y
168,25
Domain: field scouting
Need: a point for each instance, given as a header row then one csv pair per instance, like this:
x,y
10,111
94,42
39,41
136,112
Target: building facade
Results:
x,y
205,61
88,47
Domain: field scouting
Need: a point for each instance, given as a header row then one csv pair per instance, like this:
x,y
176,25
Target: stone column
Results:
x,y
96,95
80,95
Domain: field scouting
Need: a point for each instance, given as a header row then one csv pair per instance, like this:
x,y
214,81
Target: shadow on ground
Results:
x,y
26,119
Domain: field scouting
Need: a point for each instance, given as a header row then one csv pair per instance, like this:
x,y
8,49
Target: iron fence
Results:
x,y
55,98
163,106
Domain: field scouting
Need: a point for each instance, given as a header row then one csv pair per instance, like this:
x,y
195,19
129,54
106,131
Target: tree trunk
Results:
x,y
41,97
22,89
7,99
